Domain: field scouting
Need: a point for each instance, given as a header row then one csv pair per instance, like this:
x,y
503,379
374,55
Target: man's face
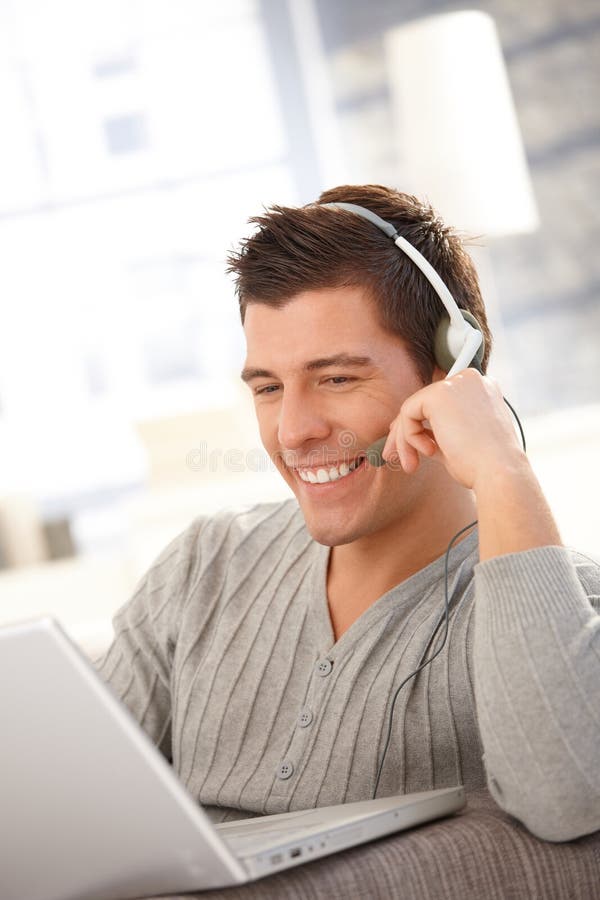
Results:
x,y
327,381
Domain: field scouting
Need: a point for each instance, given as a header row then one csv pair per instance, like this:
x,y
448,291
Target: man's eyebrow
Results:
x,y
340,359
249,373
325,362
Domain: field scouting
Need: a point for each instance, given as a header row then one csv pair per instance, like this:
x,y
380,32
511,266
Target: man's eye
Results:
x,y
340,379
266,389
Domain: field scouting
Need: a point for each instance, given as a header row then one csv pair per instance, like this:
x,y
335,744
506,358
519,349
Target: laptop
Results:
x,y
91,810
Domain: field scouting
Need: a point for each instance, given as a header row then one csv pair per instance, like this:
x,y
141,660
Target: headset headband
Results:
x,y
462,338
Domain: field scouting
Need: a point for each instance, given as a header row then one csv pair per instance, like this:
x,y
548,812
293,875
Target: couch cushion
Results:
x,y
479,853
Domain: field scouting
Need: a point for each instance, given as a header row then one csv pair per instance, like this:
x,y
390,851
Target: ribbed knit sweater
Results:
x,y
226,657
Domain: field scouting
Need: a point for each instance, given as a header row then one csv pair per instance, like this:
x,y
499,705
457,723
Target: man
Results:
x,y
270,650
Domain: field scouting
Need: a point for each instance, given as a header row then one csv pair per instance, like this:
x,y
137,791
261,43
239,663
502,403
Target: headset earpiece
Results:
x,y
445,354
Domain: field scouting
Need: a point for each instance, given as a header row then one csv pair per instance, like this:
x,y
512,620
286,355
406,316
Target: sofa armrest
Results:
x,y
480,852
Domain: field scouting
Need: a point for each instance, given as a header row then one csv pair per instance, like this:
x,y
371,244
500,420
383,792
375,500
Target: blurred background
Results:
x,y
137,138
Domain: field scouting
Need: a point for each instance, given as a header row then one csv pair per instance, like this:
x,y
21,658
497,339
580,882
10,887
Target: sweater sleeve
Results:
x,y
137,665
537,671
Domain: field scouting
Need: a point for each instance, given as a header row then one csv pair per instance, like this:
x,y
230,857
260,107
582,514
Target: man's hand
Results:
x,y
464,422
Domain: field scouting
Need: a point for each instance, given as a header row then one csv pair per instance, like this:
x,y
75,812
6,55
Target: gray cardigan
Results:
x,y
226,656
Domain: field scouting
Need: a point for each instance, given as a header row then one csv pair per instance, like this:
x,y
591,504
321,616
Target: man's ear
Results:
x,y
438,374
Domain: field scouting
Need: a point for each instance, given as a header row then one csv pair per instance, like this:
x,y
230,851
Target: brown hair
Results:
x,y
298,249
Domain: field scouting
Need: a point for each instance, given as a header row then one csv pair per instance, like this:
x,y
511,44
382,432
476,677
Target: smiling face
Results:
x,y
327,381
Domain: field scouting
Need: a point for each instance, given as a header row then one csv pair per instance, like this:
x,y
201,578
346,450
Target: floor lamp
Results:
x,y
458,138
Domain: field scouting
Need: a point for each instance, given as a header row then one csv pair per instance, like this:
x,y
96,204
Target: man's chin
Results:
x,y
330,534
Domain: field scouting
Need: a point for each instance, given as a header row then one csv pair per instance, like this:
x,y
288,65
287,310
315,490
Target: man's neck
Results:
x,y
362,571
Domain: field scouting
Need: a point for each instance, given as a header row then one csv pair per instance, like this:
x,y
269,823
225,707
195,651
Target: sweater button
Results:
x,y
324,667
305,718
285,770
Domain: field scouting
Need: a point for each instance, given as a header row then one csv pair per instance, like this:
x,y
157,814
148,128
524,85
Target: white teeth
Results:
x,y
324,475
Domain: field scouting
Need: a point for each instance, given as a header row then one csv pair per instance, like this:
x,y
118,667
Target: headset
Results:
x,y
458,345
458,342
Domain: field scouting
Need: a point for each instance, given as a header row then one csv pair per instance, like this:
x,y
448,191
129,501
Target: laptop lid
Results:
x,y
88,806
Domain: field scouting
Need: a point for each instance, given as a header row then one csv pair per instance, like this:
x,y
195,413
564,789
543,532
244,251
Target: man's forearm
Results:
x,y
512,511
536,668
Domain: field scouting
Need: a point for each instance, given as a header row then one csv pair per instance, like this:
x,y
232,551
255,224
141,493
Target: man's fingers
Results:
x,y
424,444
408,438
410,459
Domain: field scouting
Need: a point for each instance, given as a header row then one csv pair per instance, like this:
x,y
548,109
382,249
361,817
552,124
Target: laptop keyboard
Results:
x,y
267,830
245,839
301,821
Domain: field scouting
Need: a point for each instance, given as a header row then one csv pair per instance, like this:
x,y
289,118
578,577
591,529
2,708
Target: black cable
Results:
x,y
445,619
518,421
427,661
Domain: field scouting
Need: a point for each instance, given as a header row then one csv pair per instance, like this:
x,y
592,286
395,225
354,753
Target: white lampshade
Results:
x,y
456,129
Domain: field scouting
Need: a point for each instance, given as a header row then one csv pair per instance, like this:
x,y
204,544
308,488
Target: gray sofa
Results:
x,y
479,854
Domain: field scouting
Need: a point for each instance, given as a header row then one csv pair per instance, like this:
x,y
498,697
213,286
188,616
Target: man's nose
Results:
x,y
300,420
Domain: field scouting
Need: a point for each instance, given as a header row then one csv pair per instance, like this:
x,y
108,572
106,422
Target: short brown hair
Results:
x,y
305,248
